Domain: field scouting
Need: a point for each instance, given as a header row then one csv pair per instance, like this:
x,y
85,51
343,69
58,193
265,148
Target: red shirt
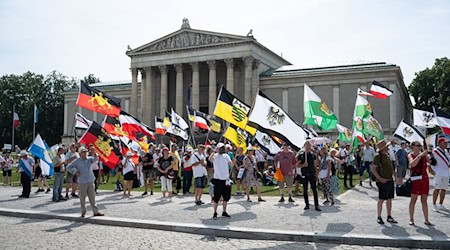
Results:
x,y
287,162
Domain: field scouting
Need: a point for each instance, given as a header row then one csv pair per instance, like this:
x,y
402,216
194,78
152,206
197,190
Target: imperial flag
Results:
x,y
408,133
113,127
98,101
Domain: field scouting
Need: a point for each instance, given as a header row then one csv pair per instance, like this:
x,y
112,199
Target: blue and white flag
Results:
x,y
26,167
36,111
41,150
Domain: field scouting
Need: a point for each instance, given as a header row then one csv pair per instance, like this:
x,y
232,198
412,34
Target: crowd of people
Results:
x,y
219,166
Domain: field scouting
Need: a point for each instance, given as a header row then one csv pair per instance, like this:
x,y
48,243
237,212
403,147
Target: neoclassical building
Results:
x,y
188,67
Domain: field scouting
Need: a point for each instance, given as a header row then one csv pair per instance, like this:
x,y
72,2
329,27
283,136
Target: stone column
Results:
x,y
230,75
164,83
195,97
66,111
212,86
143,97
179,107
133,97
147,113
255,80
285,100
393,106
336,100
248,62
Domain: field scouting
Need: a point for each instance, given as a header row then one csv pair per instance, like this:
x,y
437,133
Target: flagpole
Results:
x,y
190,127
34,122
12,141
73,128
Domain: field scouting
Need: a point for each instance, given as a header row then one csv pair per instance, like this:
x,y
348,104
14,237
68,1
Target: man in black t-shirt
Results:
x,y
307,161
146,159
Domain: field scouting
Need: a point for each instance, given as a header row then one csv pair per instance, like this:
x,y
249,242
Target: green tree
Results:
x,y
431,86
90,79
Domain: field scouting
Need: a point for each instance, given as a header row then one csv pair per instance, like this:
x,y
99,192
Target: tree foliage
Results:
x,y
89,79
431,86
25,91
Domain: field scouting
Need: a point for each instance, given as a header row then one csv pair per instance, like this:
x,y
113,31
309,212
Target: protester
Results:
x,y
222,183
401,160
58,174
95,167
251,173
146,159
268,179
71,180
165,164
383,171
200,174
334,178
128,173
41,178
358,157
237,162
348,168
26,173
210,170
440,168
393,148
260,157
367,156
308,163
325,175
228,150
187,170
82,167
285,162
7,167
106,173
176,167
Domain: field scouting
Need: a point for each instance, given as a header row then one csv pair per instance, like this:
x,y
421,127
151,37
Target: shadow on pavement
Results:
x,y
394,230
339,228
432,233
65,229
222,221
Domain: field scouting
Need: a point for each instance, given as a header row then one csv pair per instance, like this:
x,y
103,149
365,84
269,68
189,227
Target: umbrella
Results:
x,y
319,141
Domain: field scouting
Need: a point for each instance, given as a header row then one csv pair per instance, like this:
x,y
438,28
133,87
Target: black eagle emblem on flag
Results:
x,y
427,117
407,132
265,140
275,116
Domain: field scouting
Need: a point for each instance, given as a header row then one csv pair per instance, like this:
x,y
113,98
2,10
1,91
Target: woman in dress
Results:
x,y
250,179
238,161
420,185
165,164
325,175
7,168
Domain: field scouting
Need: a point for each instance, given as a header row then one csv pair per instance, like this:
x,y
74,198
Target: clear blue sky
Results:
x,y
81,37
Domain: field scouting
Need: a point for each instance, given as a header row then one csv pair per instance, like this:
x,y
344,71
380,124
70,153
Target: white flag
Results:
x,y
177,131
81,122
408,133
266,143
179,121
424,119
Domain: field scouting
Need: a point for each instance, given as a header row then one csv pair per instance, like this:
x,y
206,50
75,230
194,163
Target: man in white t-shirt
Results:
x,y
442,173
198,163
221,181
367,156
393,148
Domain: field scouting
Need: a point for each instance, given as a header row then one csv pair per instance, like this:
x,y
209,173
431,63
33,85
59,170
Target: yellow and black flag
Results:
x,y
98,101
233,110
237,136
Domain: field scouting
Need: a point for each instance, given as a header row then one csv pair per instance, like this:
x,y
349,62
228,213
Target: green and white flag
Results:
x,y
372,127
362,106
345,135
317,112
362,110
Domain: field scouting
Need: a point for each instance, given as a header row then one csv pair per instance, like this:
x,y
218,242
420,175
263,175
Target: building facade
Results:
x,y
188,67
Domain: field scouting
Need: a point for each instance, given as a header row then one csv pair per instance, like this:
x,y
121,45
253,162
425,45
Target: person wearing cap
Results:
x,y
308,162
6,164
440,168
383,171
26,173
128,173
348,168
58,173
175,167
401,159
198,163
165,164
221,180
251,179
285,161
367,157
82,167
187,170
71,179
148,171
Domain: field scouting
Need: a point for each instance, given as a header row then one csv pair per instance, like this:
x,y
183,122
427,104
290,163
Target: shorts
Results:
x,y
149,174
129,176
106,169
401,171
221,190
441,182
385,190
7,172
365,166
289,180
200,182
71,178
299,178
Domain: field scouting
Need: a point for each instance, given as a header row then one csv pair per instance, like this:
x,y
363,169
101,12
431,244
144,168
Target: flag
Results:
x,y
132,126
272,120
159,127
166,122
215,125
266,143
81,122
345,134
316,111
104,145
191,112
113,127
237,136
27,168
361,92
432,140
424,119
372,127
178,120
16,120
362,107
98,101
362,110
177,131
378,90
408,133
443,120
143,142
41,150
36,111
200,121
233,110
125,147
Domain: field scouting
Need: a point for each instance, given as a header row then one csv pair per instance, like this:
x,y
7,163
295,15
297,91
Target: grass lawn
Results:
x,y
265,190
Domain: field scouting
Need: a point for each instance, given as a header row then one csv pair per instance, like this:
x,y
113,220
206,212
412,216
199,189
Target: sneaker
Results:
x,y
201,202
215,216
306,207
261,200
99,214
282,199
441,207
198,203
74,195
225,214
290,199
435,208
380,221
145,193
63,198
48,190
318,208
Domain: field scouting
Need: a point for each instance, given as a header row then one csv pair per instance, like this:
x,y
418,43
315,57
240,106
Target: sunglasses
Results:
x,y
417,145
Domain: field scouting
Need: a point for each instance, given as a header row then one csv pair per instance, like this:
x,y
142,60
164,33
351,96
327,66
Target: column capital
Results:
x,y
248,61
211,64
148,70
195,66
142,71
256,64
162,68
178,67
229,62
134,71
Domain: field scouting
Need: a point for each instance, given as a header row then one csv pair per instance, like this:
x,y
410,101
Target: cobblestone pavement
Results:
x,y
17,233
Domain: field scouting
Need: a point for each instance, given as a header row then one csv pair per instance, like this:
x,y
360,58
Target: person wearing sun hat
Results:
x,y
441,178
26,173
383,171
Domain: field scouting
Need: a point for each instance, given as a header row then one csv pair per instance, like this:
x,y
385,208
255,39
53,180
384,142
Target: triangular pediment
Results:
x,y
188,38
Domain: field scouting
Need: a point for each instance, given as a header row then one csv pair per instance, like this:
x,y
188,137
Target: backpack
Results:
x,y
118,186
